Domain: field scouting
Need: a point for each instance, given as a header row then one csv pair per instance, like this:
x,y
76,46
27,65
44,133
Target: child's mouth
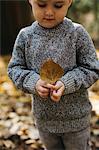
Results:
x,y
47,19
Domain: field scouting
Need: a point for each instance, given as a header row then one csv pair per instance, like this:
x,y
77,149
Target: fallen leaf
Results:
x,y
8,144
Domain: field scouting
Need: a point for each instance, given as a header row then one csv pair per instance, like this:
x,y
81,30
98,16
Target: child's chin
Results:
x,y
48,25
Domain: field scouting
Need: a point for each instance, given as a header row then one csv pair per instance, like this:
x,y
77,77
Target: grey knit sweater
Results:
x,y
69,45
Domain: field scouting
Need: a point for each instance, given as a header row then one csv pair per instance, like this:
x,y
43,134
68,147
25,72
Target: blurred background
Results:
x,y
17,14
17,127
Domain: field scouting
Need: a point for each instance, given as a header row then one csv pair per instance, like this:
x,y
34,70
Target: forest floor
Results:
x,y
17,127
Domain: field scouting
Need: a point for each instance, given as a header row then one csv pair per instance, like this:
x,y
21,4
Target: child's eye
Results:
x,y
58,5
42,5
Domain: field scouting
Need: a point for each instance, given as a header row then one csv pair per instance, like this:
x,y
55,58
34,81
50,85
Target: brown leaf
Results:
x,y
51,71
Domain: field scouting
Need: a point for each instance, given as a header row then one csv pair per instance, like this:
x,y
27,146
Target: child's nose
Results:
x,y
49,13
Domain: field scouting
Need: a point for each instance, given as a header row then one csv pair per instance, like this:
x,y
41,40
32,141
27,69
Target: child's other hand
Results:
x,y
43,88
57,93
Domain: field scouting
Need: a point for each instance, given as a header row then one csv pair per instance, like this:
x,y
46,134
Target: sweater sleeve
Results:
x,y
23,77
87,71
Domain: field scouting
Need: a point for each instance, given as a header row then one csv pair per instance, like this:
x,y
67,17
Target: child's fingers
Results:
x,y
56,95
55,98
58,85
50,86
47,85
59,92
43,89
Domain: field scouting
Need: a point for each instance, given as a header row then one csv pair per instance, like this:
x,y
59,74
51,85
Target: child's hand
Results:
x,y
57,93
43,88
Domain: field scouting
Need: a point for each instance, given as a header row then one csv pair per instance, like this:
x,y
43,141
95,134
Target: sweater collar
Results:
x,y
63,26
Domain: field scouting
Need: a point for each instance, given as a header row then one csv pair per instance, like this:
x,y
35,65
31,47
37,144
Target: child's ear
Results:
x,y
30,1
69,2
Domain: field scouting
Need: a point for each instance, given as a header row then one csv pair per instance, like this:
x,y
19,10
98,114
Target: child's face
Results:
x,y
50,13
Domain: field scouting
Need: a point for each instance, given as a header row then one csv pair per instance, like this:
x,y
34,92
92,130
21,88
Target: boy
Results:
x,y
63,118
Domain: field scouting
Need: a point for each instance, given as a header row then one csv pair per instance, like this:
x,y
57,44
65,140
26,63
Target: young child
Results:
x,y
62,117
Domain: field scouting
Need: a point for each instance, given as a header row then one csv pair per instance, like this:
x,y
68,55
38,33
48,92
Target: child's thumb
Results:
x,y
50,86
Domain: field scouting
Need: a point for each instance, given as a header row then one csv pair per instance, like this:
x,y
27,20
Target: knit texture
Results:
x,y
69,45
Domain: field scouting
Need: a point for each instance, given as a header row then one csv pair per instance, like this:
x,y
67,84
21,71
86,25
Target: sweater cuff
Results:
x,y
69,85
30,83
